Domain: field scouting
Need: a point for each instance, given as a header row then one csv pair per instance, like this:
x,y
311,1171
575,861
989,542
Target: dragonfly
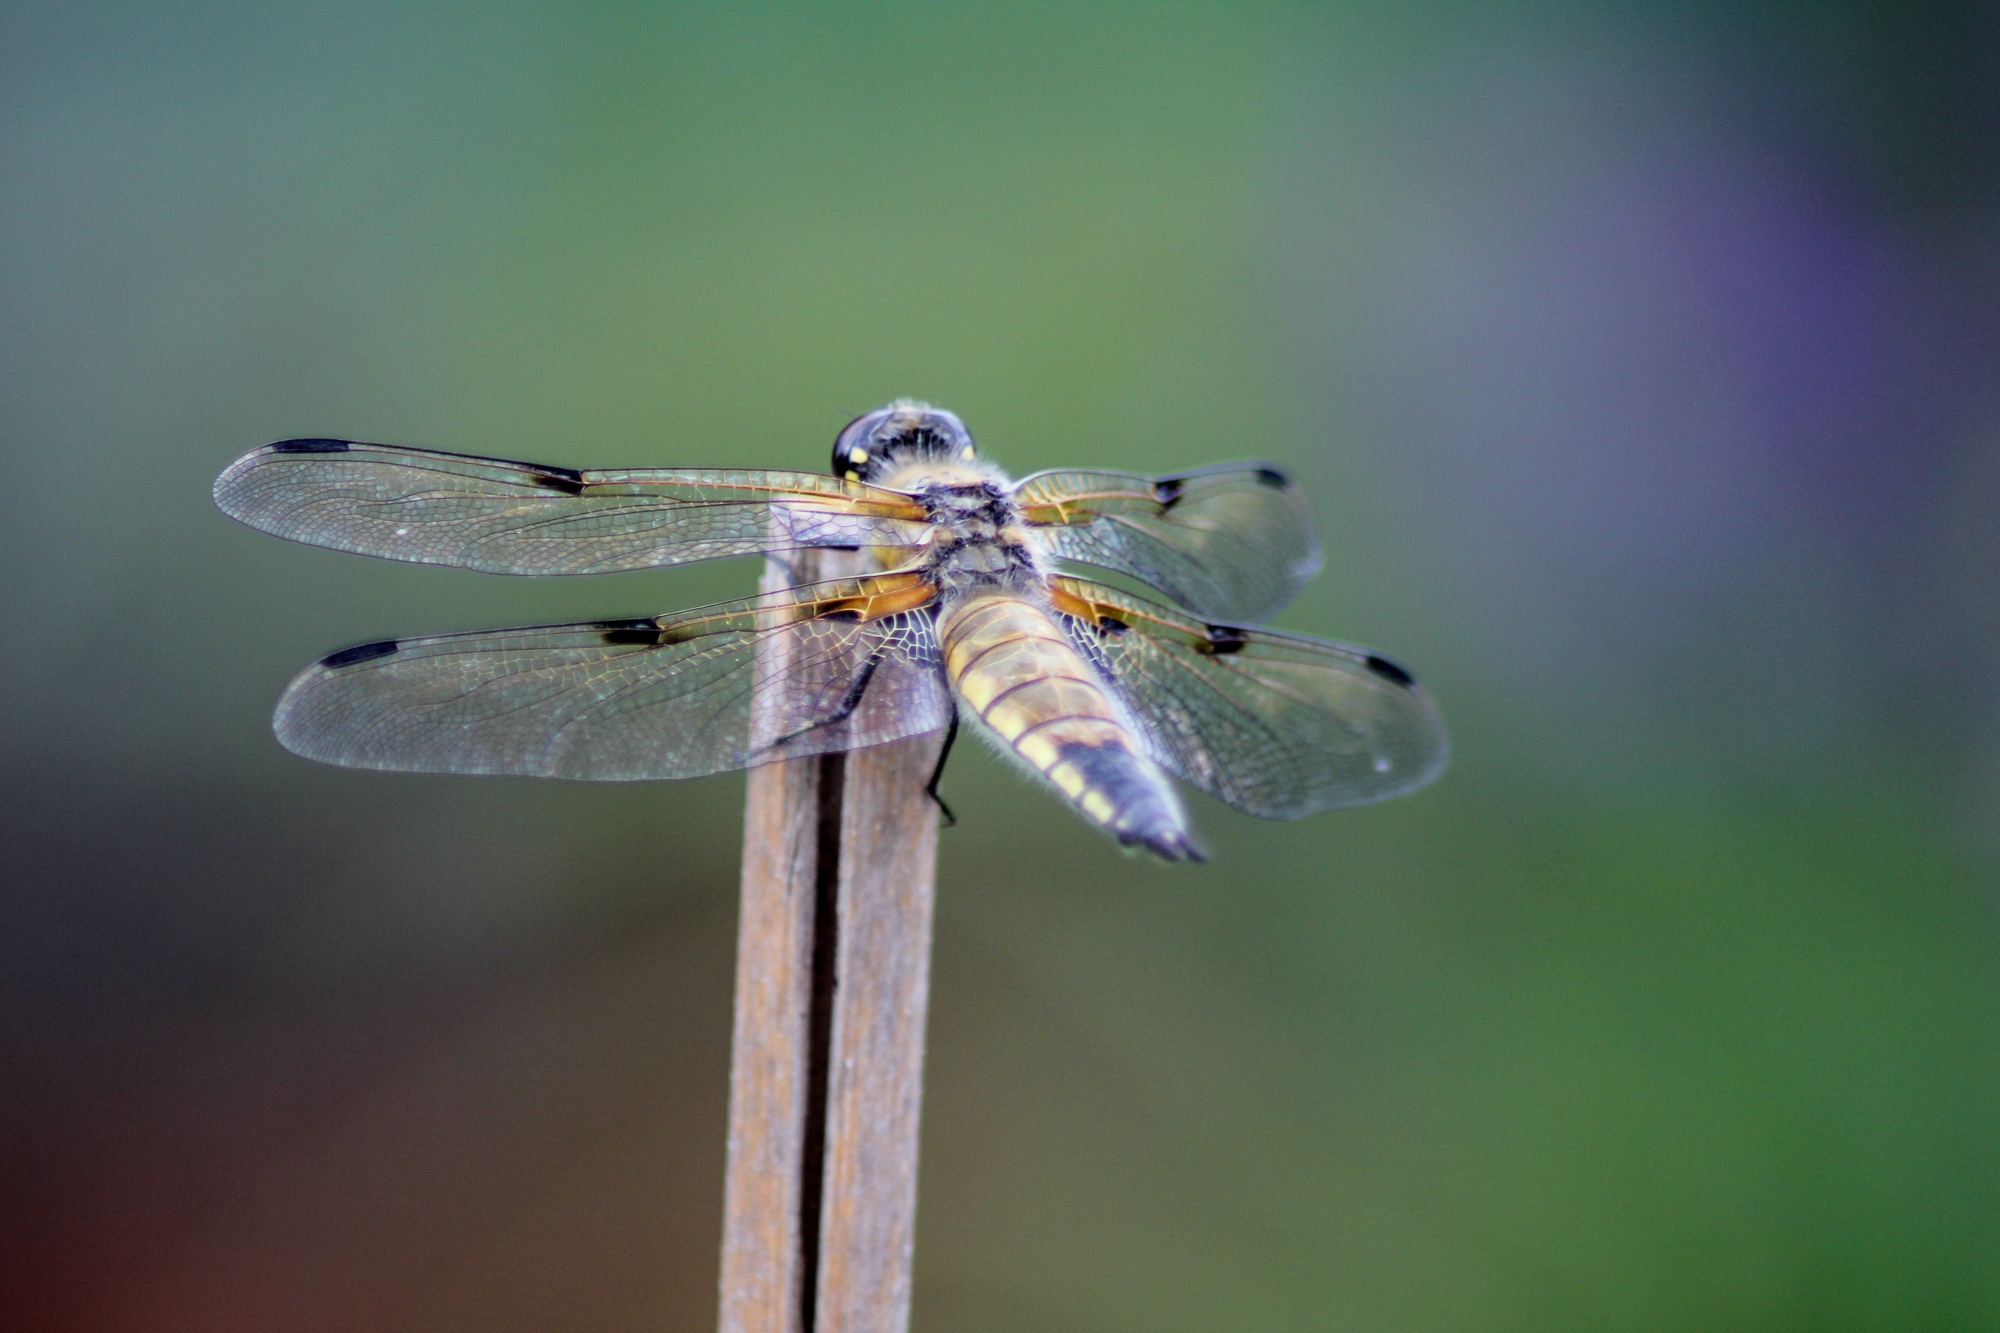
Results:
x,y
966,602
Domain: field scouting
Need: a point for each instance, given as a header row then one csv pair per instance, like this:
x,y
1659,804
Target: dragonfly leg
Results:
x,y
937,774
848,704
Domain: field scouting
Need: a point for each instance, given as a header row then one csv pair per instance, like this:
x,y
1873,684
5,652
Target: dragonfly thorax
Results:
x,y
977,541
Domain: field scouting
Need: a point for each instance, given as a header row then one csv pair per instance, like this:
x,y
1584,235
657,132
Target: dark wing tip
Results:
x,y
310,447
364,652
1389,671
225,490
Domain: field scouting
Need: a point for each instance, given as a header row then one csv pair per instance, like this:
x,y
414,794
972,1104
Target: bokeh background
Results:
x,y
1643,363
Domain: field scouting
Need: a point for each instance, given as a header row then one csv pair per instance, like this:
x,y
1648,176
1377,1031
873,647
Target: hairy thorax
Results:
x,y
977,542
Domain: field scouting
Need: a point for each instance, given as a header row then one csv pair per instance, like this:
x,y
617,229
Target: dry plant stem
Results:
x,y
832,986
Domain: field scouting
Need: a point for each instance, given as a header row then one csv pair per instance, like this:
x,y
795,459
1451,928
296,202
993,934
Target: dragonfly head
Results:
x,y
892,438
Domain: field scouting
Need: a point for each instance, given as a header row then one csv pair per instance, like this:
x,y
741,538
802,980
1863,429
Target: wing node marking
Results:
x,y
564,481
633,633
1224,640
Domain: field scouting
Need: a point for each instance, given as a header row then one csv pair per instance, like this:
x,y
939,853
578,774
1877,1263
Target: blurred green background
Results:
x,y
1641,363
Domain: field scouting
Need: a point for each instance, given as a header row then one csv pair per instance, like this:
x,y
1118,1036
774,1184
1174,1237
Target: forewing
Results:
x,y
1275,724
725,687
1234,542
523,518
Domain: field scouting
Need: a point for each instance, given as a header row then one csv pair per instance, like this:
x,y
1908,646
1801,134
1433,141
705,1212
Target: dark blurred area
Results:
x,y
1641,361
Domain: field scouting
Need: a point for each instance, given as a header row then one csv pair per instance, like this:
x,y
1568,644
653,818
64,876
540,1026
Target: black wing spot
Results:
x,y
1111,625
1225,639
1389,671
310,447
849,617
643,633
365,652
1273,478
631,633
566,480
1167,490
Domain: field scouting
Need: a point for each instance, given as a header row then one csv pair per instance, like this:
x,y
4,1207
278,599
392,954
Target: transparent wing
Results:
x,y
833,666
1275,724
523,518
1234,542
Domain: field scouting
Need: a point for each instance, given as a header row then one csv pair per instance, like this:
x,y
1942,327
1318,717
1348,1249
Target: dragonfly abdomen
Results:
x,y
1016,672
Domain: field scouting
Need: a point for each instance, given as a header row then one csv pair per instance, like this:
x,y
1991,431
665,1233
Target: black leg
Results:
x,y
937,774
847,705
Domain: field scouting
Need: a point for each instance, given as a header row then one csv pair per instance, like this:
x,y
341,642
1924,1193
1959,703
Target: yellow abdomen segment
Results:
x,y
1016,671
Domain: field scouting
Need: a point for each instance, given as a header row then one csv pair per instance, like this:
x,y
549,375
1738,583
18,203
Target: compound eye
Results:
x,y
850,447
946,435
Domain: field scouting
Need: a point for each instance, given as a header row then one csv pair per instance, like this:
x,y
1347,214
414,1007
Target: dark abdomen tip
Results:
x,y
1144,814
1167,844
